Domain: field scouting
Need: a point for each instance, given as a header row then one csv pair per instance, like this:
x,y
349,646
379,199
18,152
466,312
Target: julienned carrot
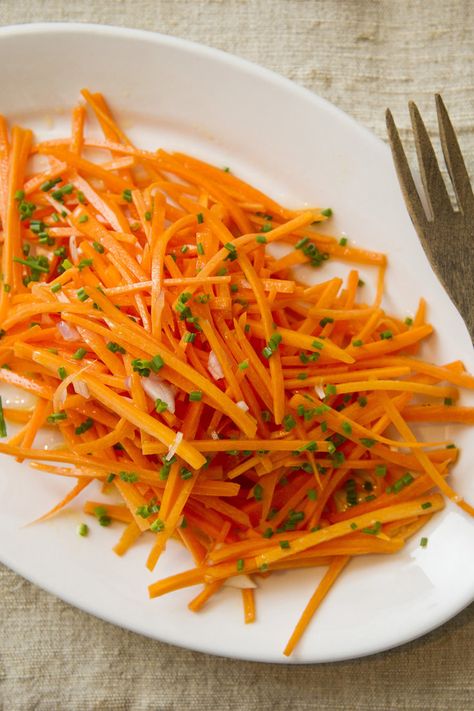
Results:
x,y
230,406
315,601
130,534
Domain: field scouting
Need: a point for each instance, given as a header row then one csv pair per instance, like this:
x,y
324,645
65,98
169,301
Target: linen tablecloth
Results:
x,y
363,56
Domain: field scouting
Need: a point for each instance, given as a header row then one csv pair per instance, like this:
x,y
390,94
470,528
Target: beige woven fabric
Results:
x,y
362,56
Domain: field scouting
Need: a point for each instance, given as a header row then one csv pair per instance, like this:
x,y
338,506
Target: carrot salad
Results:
x,y
263,422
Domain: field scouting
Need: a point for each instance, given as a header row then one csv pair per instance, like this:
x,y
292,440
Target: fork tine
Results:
x,y
454,158
405,178
433,182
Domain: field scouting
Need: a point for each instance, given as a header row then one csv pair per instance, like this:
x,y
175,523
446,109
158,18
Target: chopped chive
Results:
x,y
49,184
200,248
200,218
267,227
157,525
195,396
367,442
85,263
448,401
343,241
258,492
26,209
268,533
79,354
66,264
82,529
240,564
261,239
165,470
408,321
129,477
424,542
296,516
318,344
284,544
62,372
353,526
110,477
312,494
98,247
127,195
374,530
330,390
357,343
310,447
362,401
156,363
401,483
346,427
189,337
83,218
160,406
38,264
380,470
84,426
327,212
302,243
386,335
148,215
289,422
82,295
114,347
3,424
55,288
143,511
426,505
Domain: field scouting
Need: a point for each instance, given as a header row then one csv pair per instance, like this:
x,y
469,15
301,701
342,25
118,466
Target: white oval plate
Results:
x,y
300,149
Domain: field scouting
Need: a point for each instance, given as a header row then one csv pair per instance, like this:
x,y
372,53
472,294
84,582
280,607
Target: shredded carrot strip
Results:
x,y
248,600
208,591
315,601
227,404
